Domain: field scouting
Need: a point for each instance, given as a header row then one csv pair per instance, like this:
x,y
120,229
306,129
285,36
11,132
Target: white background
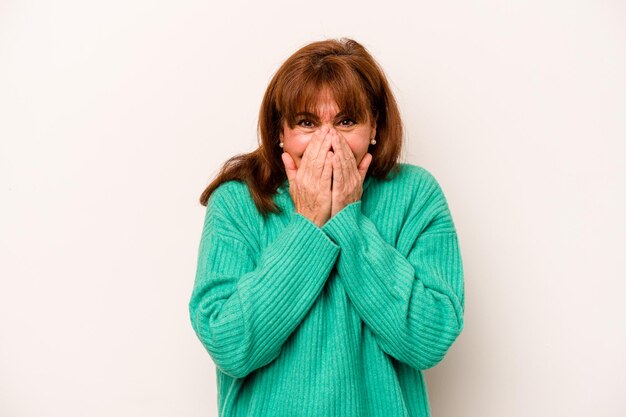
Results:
x,y
115,115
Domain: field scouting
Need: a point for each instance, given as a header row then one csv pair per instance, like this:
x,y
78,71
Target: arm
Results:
x,y
243,310
412,304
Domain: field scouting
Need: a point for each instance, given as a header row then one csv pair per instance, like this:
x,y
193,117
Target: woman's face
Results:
x,y
357,135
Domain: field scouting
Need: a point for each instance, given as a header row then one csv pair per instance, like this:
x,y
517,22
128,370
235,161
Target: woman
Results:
x,y
329,274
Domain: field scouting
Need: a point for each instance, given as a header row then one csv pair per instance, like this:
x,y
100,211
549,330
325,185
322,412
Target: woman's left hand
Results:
x,y
347,176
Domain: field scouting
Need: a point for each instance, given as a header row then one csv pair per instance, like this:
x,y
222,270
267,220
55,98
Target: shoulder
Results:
x,y
417,180
228,194
413,171
427,198
231,206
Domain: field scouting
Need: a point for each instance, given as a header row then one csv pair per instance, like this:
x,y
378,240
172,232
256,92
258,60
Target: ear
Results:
x,y
373,135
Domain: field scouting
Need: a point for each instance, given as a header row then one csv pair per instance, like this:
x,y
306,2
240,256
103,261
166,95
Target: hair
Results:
x,y
357,84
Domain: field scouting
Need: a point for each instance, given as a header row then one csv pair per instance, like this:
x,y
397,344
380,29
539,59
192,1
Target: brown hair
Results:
x,y
359,87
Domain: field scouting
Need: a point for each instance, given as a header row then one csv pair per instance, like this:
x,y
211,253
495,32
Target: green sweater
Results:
x,y
333,321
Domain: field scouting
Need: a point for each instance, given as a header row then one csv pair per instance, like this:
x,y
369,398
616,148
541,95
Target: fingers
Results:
x,y
344,159
312,154
338,172
327,172
290,167
313,158
364,165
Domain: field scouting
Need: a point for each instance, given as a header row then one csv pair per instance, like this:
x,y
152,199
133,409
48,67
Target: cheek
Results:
x,y
295,144
359,145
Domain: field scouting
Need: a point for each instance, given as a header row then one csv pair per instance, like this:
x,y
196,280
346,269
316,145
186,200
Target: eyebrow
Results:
x,y
314,116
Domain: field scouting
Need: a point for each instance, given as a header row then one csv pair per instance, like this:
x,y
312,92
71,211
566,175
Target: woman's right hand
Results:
x,y
310,183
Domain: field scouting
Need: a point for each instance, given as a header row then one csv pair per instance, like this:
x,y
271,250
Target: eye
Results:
x,y
347,122
305,123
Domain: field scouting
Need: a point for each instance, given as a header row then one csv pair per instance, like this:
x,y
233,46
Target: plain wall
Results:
x,y
115,115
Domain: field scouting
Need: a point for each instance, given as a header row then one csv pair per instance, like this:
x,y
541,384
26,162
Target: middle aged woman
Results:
x,y
329,274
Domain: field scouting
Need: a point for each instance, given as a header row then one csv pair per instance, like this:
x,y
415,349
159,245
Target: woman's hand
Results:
x,y
309,184
347,186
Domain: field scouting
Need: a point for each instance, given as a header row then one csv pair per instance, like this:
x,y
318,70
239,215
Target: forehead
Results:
x,y
325,104
323,100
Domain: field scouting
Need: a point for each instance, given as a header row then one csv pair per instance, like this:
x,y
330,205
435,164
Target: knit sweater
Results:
x,y
339,320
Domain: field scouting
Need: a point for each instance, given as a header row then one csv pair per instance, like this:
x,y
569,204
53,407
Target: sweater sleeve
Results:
x,y
243,307
413,303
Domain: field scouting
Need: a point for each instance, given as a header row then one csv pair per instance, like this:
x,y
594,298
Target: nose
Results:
x,y
327,128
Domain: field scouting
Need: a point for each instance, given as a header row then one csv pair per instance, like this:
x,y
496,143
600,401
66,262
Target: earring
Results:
x,y
280,144
373,141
